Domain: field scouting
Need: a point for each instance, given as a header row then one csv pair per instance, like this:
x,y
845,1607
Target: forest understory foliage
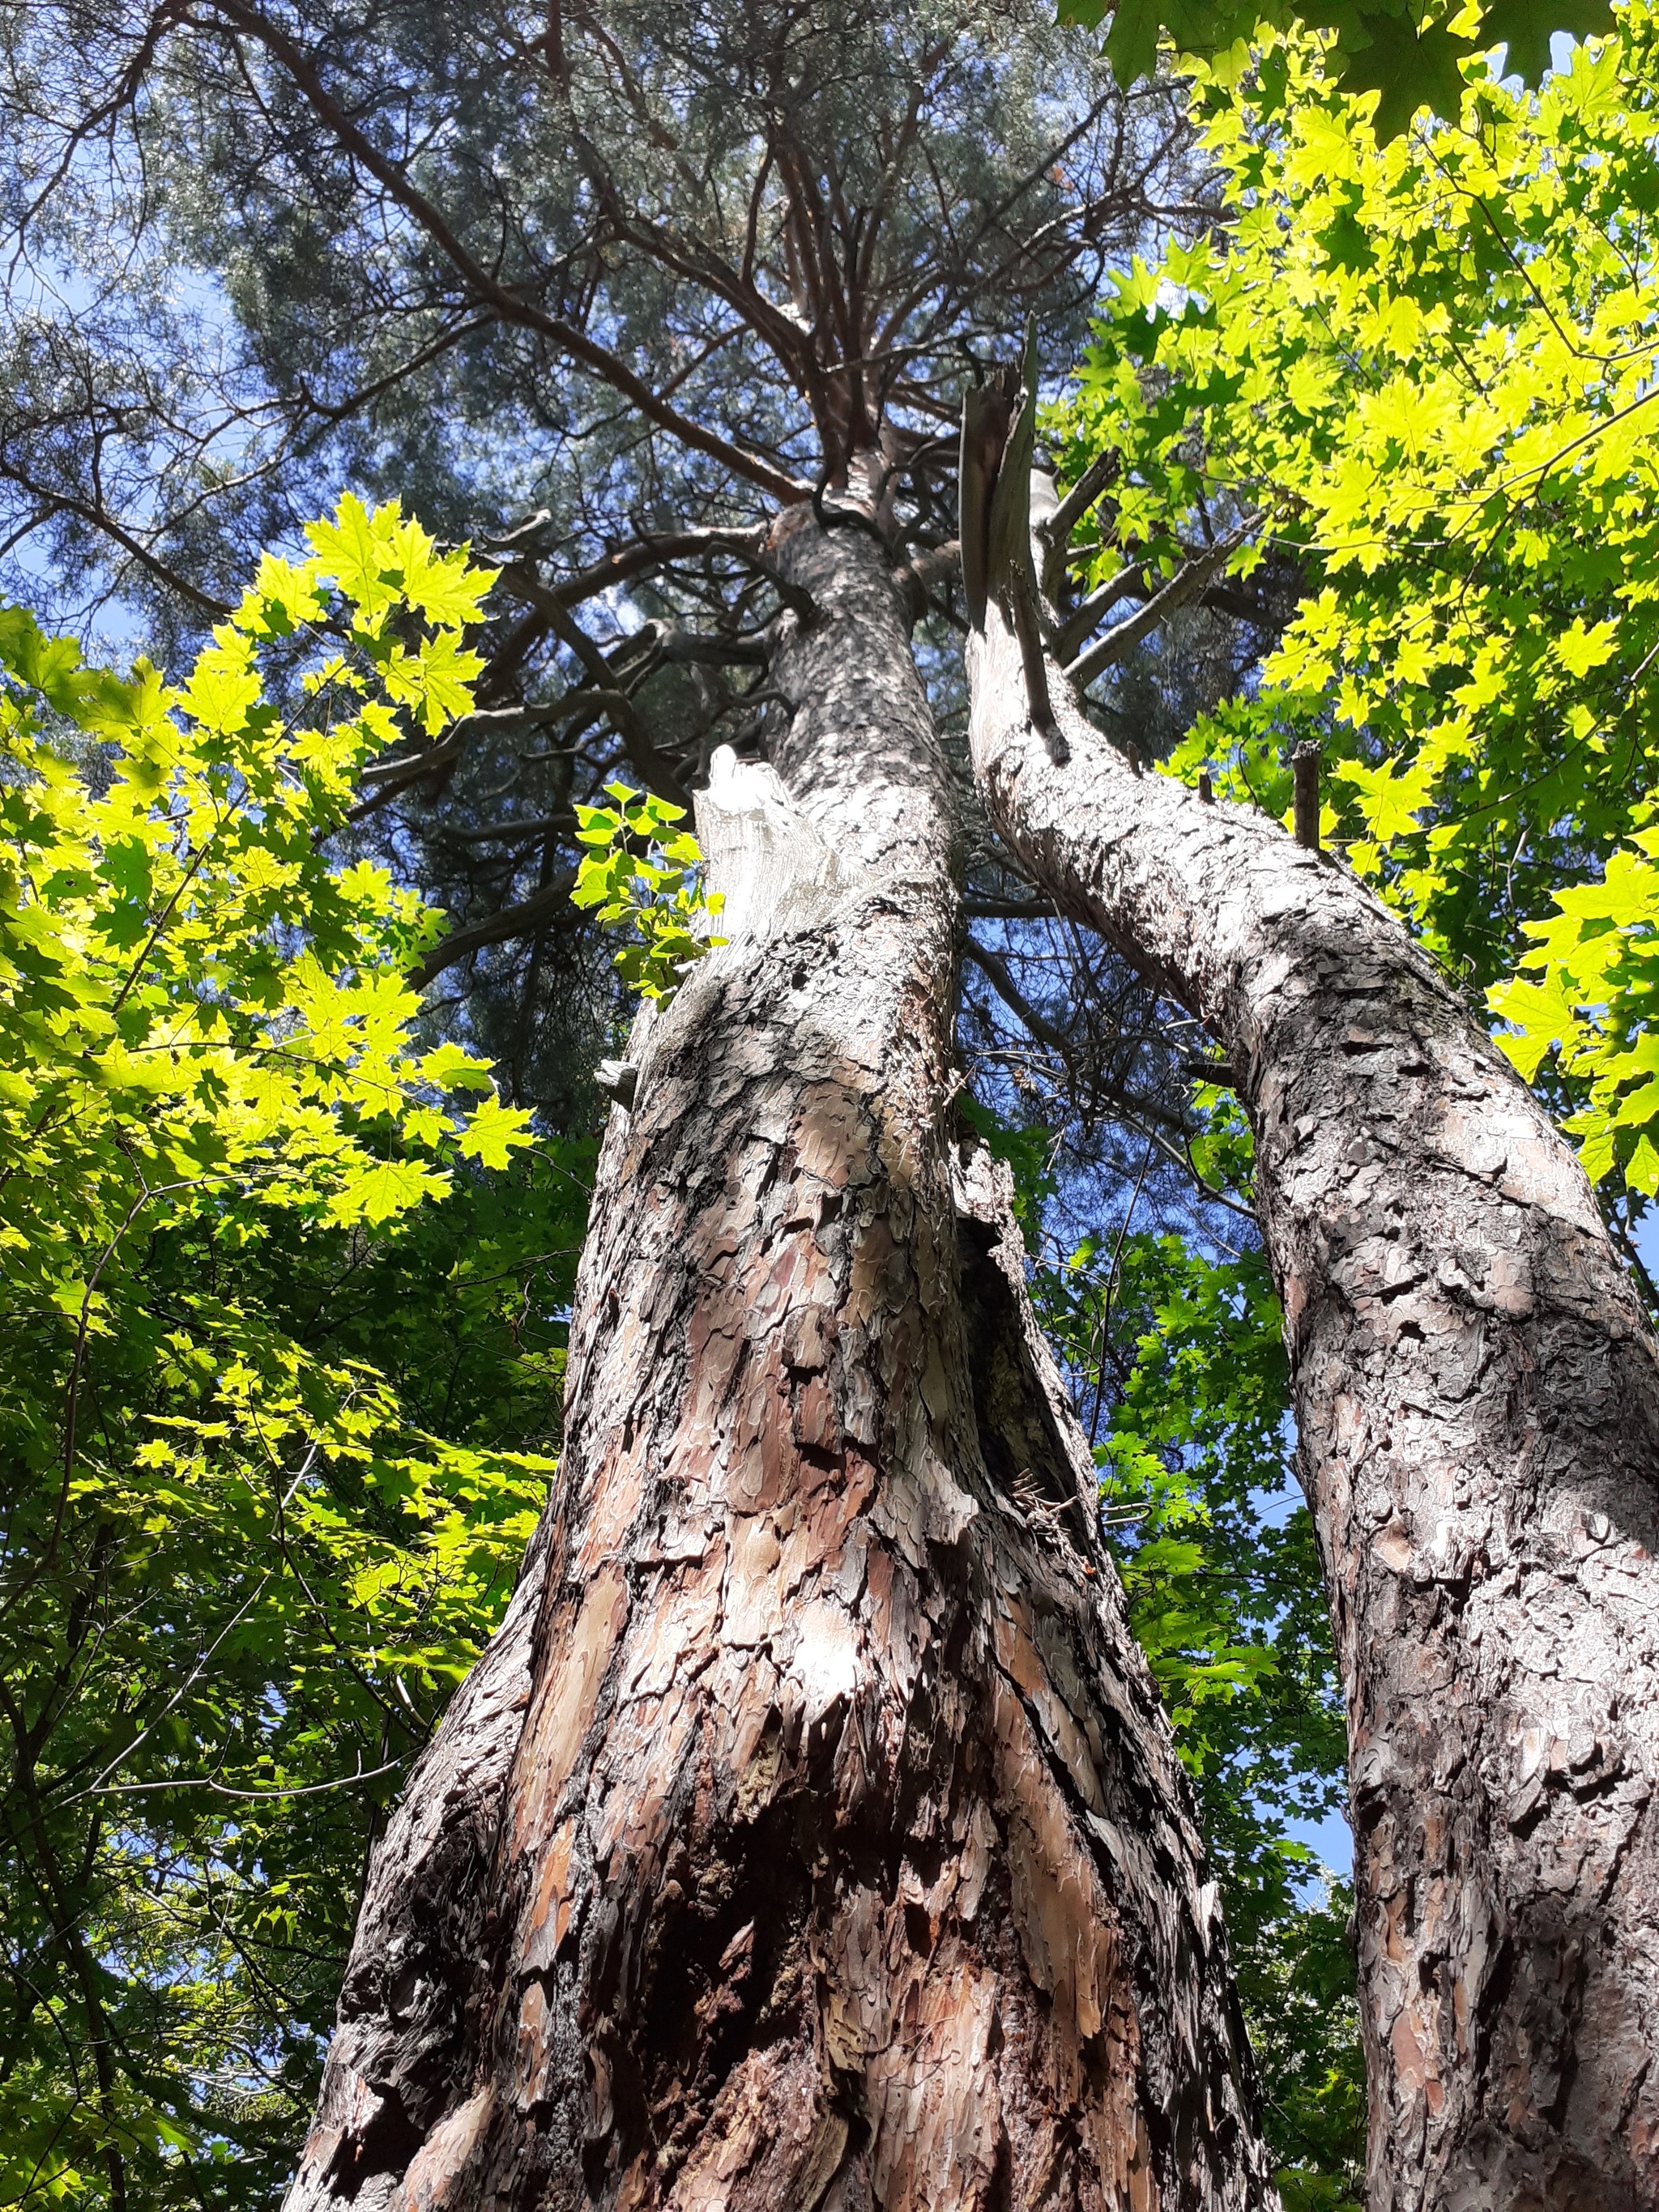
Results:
x,y
287,1265
270,1464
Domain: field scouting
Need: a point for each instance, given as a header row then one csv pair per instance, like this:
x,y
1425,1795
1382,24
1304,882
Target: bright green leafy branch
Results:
x,y
641,872
276,1372
1409,53
1595,1007
1431,366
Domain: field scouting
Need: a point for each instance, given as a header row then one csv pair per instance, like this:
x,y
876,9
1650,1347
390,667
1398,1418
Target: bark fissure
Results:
x,y
1477,1397
840,1857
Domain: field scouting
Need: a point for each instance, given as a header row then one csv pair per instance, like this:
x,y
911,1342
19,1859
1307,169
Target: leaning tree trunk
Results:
x,y
1476,1391
810,1835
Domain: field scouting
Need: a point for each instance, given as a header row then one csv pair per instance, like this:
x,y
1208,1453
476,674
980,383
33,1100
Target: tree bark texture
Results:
x,y
1476,1398
810,1835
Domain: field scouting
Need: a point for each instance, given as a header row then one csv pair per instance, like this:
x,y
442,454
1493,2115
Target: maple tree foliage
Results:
x,y
1410,53
1422,376
278,1359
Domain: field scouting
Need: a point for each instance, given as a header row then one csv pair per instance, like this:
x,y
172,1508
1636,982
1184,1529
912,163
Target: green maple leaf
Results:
x,y
1410,68
492,1131
1526,27
354,552
376,1193
1132,41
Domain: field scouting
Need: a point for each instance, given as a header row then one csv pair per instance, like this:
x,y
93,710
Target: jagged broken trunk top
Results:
x,y
810,1835
1477,1397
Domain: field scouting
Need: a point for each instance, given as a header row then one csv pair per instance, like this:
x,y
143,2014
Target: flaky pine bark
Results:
x,y
810,1835
1477,1399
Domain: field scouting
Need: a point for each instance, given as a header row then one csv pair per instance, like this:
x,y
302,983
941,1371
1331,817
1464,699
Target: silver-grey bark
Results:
x,y
1476,1398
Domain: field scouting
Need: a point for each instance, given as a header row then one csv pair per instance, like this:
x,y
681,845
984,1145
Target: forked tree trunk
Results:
x,y
1476,1398
810,1835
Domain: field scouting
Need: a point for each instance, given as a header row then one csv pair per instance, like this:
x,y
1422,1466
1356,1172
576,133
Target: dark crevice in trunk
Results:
x,y
1019,1437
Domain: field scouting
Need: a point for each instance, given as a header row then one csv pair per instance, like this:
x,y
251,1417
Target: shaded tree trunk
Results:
x,y
810,1834
1477,1397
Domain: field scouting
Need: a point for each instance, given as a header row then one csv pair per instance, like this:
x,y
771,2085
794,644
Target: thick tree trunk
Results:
x,y
810,1835
1477,1397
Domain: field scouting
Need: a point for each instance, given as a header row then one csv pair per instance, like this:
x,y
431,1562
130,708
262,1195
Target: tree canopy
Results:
x,y
1362,430
595,299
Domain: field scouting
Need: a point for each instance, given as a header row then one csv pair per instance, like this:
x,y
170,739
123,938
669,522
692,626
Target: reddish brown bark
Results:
x,y
813,1836
1477,1397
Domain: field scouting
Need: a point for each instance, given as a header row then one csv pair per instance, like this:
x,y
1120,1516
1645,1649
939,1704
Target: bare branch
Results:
x,y
1183,587
996,968
495,929
1076,625
90,512
514,833
1097,478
